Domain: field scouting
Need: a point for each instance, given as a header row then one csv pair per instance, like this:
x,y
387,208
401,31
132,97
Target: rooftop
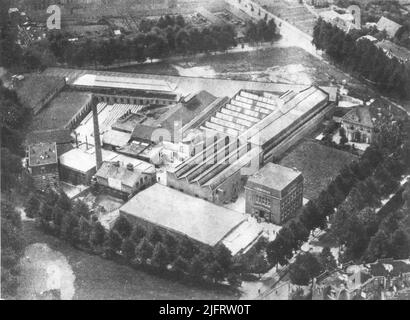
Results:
x,y
389,26
84,160
35,88
361,115
173,210
42,154
118,173
60,111
103,81
274,176
397,51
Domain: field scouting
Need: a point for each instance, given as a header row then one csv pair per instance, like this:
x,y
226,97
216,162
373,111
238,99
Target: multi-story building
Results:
x,y
358,125
274,193
43,165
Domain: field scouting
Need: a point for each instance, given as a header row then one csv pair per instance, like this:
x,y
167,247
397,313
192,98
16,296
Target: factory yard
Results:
x,y
319,165
82,275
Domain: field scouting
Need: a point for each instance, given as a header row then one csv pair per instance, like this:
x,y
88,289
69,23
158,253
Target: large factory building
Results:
x,y
246,132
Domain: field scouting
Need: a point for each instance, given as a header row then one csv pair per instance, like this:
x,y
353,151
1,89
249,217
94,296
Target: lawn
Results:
x,y
100,279
319,165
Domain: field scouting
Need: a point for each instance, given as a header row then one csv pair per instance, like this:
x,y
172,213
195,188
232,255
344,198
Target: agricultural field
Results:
x,y
319,165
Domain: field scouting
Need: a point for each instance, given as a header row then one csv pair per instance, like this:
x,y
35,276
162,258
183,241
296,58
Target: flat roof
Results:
x,y
176,211
84,160
41,154
103,81
274,176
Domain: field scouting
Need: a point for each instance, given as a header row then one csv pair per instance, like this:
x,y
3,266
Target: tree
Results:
x,y
160,257
181,266
138,233
378,248
128,249
144,249
69,228
123,227
97,234
327,259
114,240
197,268
223,256
343,138
64,201
215,272
187,248
306,267
155,236
80,209
234,280
12,247
32,207
172,245
400,244
84,230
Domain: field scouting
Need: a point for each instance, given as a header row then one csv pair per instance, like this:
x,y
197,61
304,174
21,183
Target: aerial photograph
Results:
x,y
236,151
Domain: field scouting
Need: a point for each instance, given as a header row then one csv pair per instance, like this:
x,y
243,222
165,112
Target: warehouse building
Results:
x,y
128,90
245,133
185,216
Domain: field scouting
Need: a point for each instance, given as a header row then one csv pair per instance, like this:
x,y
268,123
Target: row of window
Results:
x,y
262,200
134,100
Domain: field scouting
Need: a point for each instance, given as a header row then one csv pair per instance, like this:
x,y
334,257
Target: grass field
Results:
x,y
319,165
100,279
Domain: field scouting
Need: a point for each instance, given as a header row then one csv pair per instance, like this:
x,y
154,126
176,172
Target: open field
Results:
x,y
272,64
100,279
319,165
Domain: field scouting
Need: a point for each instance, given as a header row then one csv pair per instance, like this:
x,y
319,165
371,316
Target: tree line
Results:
x,y
151,249
359,185
363,57
12,247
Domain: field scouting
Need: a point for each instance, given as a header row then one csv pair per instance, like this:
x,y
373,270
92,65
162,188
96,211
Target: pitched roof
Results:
x,y
360,115
389,26
178,212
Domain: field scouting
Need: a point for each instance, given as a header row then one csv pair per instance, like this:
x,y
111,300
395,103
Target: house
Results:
x,y
393,50
358,125
124,180
389,26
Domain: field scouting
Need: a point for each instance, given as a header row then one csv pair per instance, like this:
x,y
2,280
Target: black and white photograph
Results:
x,y
225,151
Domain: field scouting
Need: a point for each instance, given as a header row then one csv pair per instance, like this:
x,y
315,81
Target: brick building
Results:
x,y
274,193
43,165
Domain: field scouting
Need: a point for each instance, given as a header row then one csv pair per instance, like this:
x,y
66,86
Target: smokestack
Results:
x,y
97,140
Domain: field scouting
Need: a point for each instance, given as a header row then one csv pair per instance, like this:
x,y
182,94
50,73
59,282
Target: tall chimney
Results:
x,y
97,140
